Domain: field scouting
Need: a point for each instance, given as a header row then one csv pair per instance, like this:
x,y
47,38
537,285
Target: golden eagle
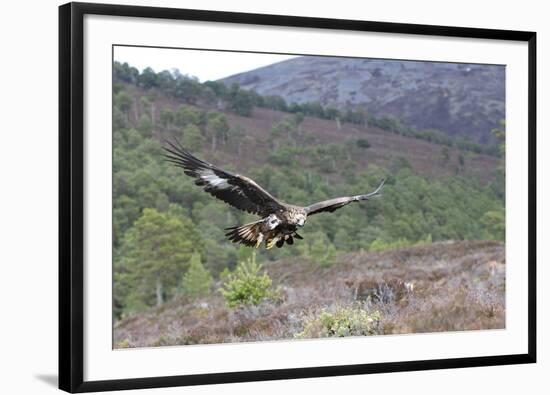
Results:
x,y
279,222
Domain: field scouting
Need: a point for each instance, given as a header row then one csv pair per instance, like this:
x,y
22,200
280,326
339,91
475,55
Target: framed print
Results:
x,y
250,197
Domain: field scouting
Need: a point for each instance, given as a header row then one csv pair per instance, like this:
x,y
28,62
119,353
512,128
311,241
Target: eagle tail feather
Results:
x,y
249,234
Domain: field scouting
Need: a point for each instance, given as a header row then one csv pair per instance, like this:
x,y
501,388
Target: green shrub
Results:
x,y
495,224
123,343
362,143
246,285
196,282
343,321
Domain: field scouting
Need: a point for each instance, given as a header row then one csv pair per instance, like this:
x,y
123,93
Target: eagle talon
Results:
x,y
272,242
259,241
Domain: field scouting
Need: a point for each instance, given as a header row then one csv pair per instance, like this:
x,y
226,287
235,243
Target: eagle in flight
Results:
x,y
279,222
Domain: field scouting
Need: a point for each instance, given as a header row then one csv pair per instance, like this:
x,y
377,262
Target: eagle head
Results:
x,y
301,219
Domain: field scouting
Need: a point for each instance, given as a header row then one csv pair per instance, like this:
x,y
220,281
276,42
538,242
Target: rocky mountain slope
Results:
x,y
458,99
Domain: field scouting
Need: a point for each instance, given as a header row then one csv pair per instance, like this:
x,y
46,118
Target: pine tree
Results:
x,y
192,138
123,102
217,129
322,250
247,285
196,282
154,255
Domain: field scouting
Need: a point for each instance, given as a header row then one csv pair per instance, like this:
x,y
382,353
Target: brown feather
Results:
x,y
246,234
238,191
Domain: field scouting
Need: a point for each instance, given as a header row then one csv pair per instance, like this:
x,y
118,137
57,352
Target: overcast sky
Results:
x,y
205,65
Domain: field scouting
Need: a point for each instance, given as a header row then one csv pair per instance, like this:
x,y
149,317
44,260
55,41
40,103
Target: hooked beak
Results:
x,y
301,223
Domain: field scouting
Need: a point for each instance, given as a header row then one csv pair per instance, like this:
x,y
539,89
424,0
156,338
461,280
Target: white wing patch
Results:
x,y
213,180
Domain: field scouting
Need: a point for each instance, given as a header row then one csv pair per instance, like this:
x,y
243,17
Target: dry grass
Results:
x,y
450,286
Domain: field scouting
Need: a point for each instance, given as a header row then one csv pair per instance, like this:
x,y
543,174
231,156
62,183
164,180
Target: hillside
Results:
x,y
387,149
164,225
457,99
451,286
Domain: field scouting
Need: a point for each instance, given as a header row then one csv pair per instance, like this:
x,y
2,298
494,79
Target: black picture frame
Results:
x,y
71,203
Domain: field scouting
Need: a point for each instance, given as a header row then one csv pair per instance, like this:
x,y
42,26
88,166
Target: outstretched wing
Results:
x,y
334,204
238,191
